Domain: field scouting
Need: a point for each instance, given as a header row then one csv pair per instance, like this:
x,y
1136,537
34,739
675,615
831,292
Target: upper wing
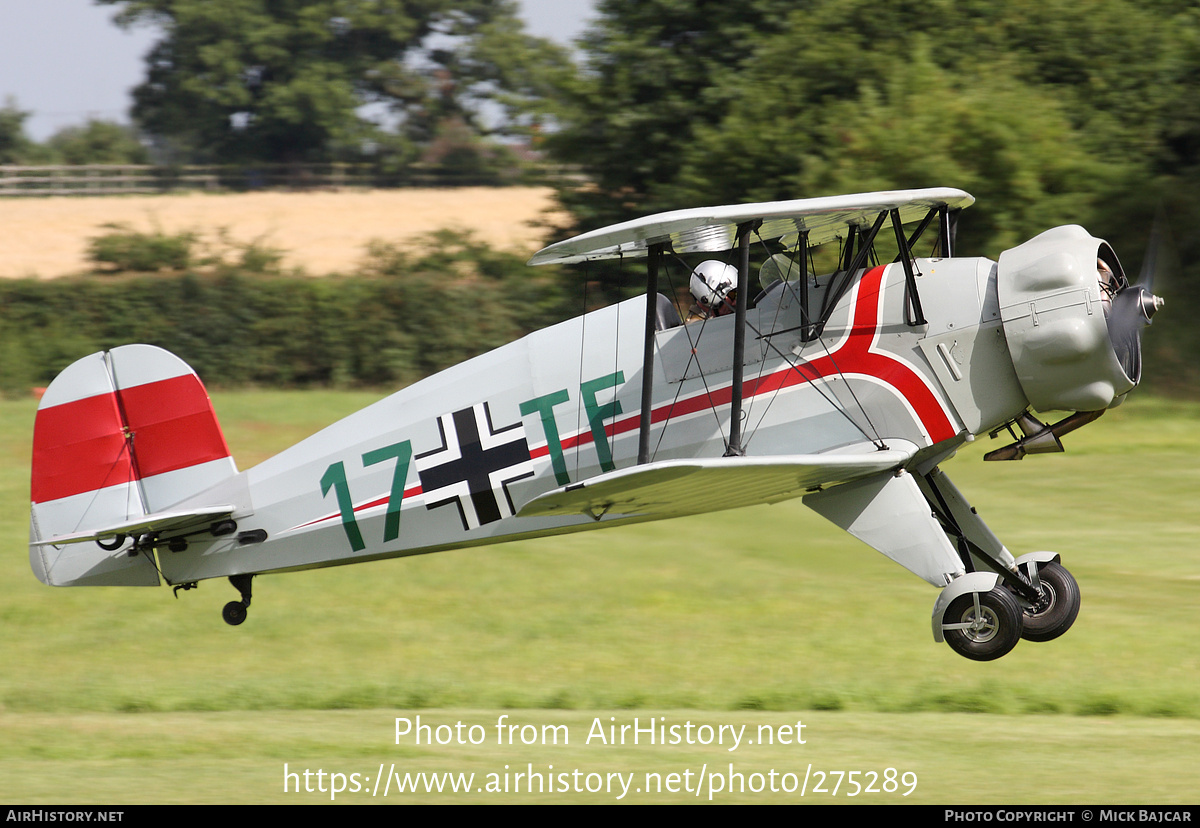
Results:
x,y
713,229
674,488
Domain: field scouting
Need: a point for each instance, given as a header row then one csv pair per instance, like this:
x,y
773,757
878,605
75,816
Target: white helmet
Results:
x,y
712,281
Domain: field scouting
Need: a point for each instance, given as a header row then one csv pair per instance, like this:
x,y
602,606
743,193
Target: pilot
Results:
x,y
714,286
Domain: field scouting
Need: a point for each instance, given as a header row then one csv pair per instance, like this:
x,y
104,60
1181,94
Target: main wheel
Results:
x,y
234,613
985,631
1056,612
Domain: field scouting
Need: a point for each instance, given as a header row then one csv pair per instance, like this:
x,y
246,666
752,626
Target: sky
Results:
x,y
66,62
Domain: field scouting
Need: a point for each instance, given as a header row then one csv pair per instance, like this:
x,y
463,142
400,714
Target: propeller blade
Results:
x,y
1160,252
1133,308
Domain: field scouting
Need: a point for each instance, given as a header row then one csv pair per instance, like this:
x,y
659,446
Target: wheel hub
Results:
x,y
1046,600
1046,594
981,624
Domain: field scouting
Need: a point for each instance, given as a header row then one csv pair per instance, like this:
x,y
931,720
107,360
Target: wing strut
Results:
x,y
739,339
948,228
655,255
806,326
912,298
838,287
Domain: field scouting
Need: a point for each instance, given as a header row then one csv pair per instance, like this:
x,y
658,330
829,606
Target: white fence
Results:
x,y
118,179
96,179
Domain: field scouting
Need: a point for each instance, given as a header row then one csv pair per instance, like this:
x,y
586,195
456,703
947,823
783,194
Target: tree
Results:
x,y
647,83
97,142
910,124
309,80
15,146
1044,109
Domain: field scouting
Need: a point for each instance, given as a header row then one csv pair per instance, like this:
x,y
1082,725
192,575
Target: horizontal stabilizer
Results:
x,y
163,524
674,488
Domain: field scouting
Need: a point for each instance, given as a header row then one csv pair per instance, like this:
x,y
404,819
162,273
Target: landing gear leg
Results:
x,y
1045,592
234,612
976,544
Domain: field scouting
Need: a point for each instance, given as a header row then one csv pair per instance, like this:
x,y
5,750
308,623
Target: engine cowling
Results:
x,y
1055,304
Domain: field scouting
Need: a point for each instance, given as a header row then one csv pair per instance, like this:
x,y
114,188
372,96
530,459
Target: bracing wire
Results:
x,y
693,344
831,397
814,380
822,384
129,494
762,365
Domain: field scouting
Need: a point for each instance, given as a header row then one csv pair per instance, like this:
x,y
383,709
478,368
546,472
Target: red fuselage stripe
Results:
x,y
854,355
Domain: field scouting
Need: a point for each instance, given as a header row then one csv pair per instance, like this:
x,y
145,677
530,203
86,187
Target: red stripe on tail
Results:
x,y
173,425
82,446
79,447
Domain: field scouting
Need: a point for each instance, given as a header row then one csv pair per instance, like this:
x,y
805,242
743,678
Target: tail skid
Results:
x,y
120,437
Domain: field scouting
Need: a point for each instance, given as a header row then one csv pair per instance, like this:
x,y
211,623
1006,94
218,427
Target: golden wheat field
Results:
x,y
321,232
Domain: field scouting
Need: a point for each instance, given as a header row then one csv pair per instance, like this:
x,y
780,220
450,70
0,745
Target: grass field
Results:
x,y
321,232
767,616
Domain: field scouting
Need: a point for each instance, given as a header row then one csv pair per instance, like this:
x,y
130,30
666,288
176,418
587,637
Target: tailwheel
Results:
x,y
1058,606
983,626
235,612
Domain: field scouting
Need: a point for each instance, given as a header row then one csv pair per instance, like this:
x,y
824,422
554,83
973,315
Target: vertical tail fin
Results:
x,y
119,434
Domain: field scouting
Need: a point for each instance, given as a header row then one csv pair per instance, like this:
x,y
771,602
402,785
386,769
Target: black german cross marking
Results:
x,y
474,465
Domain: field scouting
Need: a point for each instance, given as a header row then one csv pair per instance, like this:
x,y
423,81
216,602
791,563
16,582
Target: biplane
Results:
x,y
848,389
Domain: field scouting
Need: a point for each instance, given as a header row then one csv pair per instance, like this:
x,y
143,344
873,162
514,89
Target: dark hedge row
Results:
x,y
401,317
238,320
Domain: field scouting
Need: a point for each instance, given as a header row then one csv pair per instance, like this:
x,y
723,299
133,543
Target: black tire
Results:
x,y
234,613
994,630
1059,607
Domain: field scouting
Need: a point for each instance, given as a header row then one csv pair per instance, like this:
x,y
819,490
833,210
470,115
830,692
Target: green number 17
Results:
x,y
335,478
